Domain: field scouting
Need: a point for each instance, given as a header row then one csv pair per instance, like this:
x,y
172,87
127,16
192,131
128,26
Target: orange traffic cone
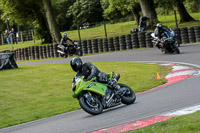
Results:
x,y
158,76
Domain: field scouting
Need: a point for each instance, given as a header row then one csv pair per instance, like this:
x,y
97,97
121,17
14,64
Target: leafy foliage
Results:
x,y
60,10
84,11
27,12
115,9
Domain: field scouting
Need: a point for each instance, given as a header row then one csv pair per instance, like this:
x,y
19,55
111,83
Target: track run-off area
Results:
x,y
180,94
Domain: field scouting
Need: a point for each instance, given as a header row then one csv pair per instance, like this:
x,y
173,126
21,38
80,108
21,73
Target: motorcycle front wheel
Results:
x,y
176,49
129,97
79,52
93,106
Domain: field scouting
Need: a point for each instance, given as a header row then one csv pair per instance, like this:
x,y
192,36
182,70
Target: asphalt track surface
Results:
x,y
180,95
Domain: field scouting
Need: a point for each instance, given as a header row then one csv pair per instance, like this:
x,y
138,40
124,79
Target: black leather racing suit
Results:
x,y
88,70
158,31
64,40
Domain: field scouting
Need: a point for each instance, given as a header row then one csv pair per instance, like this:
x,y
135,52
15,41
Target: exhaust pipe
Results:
x,y
60,52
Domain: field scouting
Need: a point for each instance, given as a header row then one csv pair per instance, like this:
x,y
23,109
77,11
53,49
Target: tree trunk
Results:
x,y
54,30
136,16
184,15
148,10
44,33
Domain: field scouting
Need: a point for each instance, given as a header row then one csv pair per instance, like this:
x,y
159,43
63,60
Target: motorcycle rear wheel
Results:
x,y
93,108
64,55
129,97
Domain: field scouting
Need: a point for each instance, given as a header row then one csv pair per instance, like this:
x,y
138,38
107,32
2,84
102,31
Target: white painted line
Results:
x,y
187,72
185,111
175,68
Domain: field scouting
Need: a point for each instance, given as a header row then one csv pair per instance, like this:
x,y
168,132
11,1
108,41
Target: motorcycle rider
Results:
x,y
89,71
64,40
159,31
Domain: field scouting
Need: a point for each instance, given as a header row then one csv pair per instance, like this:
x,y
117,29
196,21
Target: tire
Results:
x,y
91,110
79,52
129,97
64,56
176,49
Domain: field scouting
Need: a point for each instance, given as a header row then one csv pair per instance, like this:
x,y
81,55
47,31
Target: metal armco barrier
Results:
x,y
123,42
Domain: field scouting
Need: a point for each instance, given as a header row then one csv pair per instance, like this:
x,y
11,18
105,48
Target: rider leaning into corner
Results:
x,y
88,70
159,31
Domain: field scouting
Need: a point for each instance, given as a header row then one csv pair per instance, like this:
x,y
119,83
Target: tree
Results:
x,y
60,8
170,4
124,6
148,10
184,15
27,12
54,30
85,11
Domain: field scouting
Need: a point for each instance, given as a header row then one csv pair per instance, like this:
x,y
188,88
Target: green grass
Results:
x,y
183,124
112,30
34,92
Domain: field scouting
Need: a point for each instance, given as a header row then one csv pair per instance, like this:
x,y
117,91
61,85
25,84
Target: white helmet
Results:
x,y
64,34
159,25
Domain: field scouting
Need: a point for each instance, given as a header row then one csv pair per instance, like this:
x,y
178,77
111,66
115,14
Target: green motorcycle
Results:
x,y
94,96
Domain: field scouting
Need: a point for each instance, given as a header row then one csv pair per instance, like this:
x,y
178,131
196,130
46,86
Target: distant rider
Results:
x,y
89,71
64,40
159,31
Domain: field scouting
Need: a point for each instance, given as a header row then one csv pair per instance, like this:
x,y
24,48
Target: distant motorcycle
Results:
x,y
94,96
168,42
70,49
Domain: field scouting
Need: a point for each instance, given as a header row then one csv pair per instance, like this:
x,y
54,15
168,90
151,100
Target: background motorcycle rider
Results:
x,y
159,31
64,40
89,71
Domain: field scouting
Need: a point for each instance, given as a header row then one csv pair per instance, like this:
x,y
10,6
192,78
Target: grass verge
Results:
x,y
34,92
183,124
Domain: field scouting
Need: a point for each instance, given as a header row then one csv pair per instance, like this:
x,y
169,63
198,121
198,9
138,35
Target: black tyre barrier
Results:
x,y
116,43
17,54
142,40
134,39
7,61
55,48
105,45
95,45
40,52
84,47
149,42
48,51
122,42
184,35
89,44
22,54
197,33
44,52
128,41
37,55
51,51
191,35
178,34
32,53
100,45
26,57
110,44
